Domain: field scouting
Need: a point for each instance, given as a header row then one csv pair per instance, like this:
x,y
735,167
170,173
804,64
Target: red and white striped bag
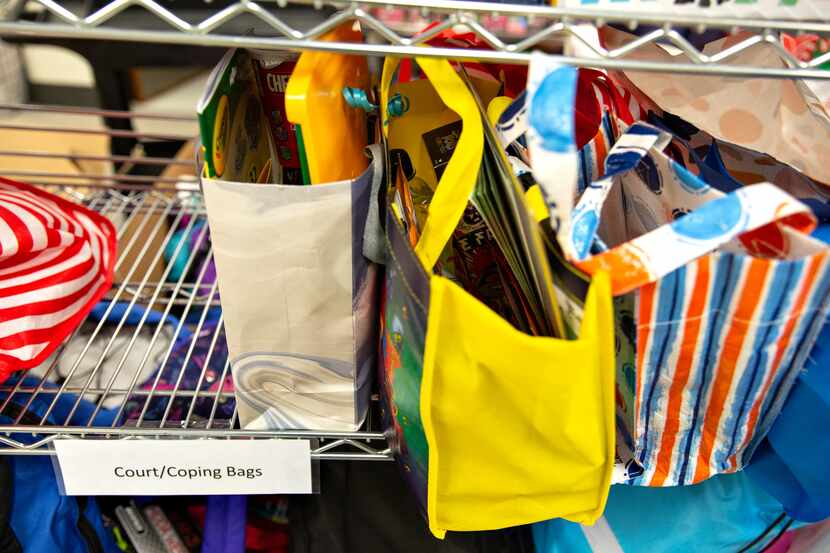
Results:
x,y
56,262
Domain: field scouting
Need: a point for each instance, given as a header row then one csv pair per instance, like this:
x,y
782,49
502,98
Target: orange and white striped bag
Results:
x,y
727,293
718,297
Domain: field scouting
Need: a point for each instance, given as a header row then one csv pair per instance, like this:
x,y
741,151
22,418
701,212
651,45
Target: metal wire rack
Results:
x,y
301,24
154,364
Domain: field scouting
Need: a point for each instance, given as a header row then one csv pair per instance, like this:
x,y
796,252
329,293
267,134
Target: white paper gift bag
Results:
x,y
298,297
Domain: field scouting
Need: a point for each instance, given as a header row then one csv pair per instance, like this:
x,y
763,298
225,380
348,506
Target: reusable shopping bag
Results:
x,y
298,298
494,427
56,262
720,336
719,297
104,351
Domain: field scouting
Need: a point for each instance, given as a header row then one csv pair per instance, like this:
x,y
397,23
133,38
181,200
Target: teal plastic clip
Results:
x,y
397,106
357,98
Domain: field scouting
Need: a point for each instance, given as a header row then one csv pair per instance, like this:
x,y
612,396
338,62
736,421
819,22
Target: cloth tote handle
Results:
x,y
459,178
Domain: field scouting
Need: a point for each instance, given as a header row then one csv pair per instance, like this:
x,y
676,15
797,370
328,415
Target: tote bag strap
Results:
x,y
512,122
551,136
546,115
624,156
460,175
659,252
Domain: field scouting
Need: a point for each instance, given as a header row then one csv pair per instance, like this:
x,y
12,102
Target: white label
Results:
x,y
179,467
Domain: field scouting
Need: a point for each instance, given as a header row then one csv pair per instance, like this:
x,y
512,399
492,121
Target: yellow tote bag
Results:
x,y
494,427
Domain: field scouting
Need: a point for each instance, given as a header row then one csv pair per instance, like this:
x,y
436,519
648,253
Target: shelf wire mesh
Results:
x,y
275,25
153,363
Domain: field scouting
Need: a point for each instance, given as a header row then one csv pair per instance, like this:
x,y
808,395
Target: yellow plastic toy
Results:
x,y
333,134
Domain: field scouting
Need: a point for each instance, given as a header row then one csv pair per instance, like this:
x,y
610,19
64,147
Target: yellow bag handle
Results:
x,y
459,177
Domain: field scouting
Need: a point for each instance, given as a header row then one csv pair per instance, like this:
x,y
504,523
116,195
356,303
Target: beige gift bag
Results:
x,y
298,297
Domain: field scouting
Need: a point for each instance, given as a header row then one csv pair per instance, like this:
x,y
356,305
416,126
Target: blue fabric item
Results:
x,y
560,536
822,233
713,168
44,520
134,315
224,530
41,518
724,513
791,463
819,208
195,236
154,317
213,315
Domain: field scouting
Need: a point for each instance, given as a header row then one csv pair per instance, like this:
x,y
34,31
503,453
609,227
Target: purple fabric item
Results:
x,y
193,369
224,530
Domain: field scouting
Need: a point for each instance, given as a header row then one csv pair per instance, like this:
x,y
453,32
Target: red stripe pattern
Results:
x,y
56,262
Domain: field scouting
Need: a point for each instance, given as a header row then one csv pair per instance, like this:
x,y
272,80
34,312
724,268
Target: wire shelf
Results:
x,y
154,365
301,24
